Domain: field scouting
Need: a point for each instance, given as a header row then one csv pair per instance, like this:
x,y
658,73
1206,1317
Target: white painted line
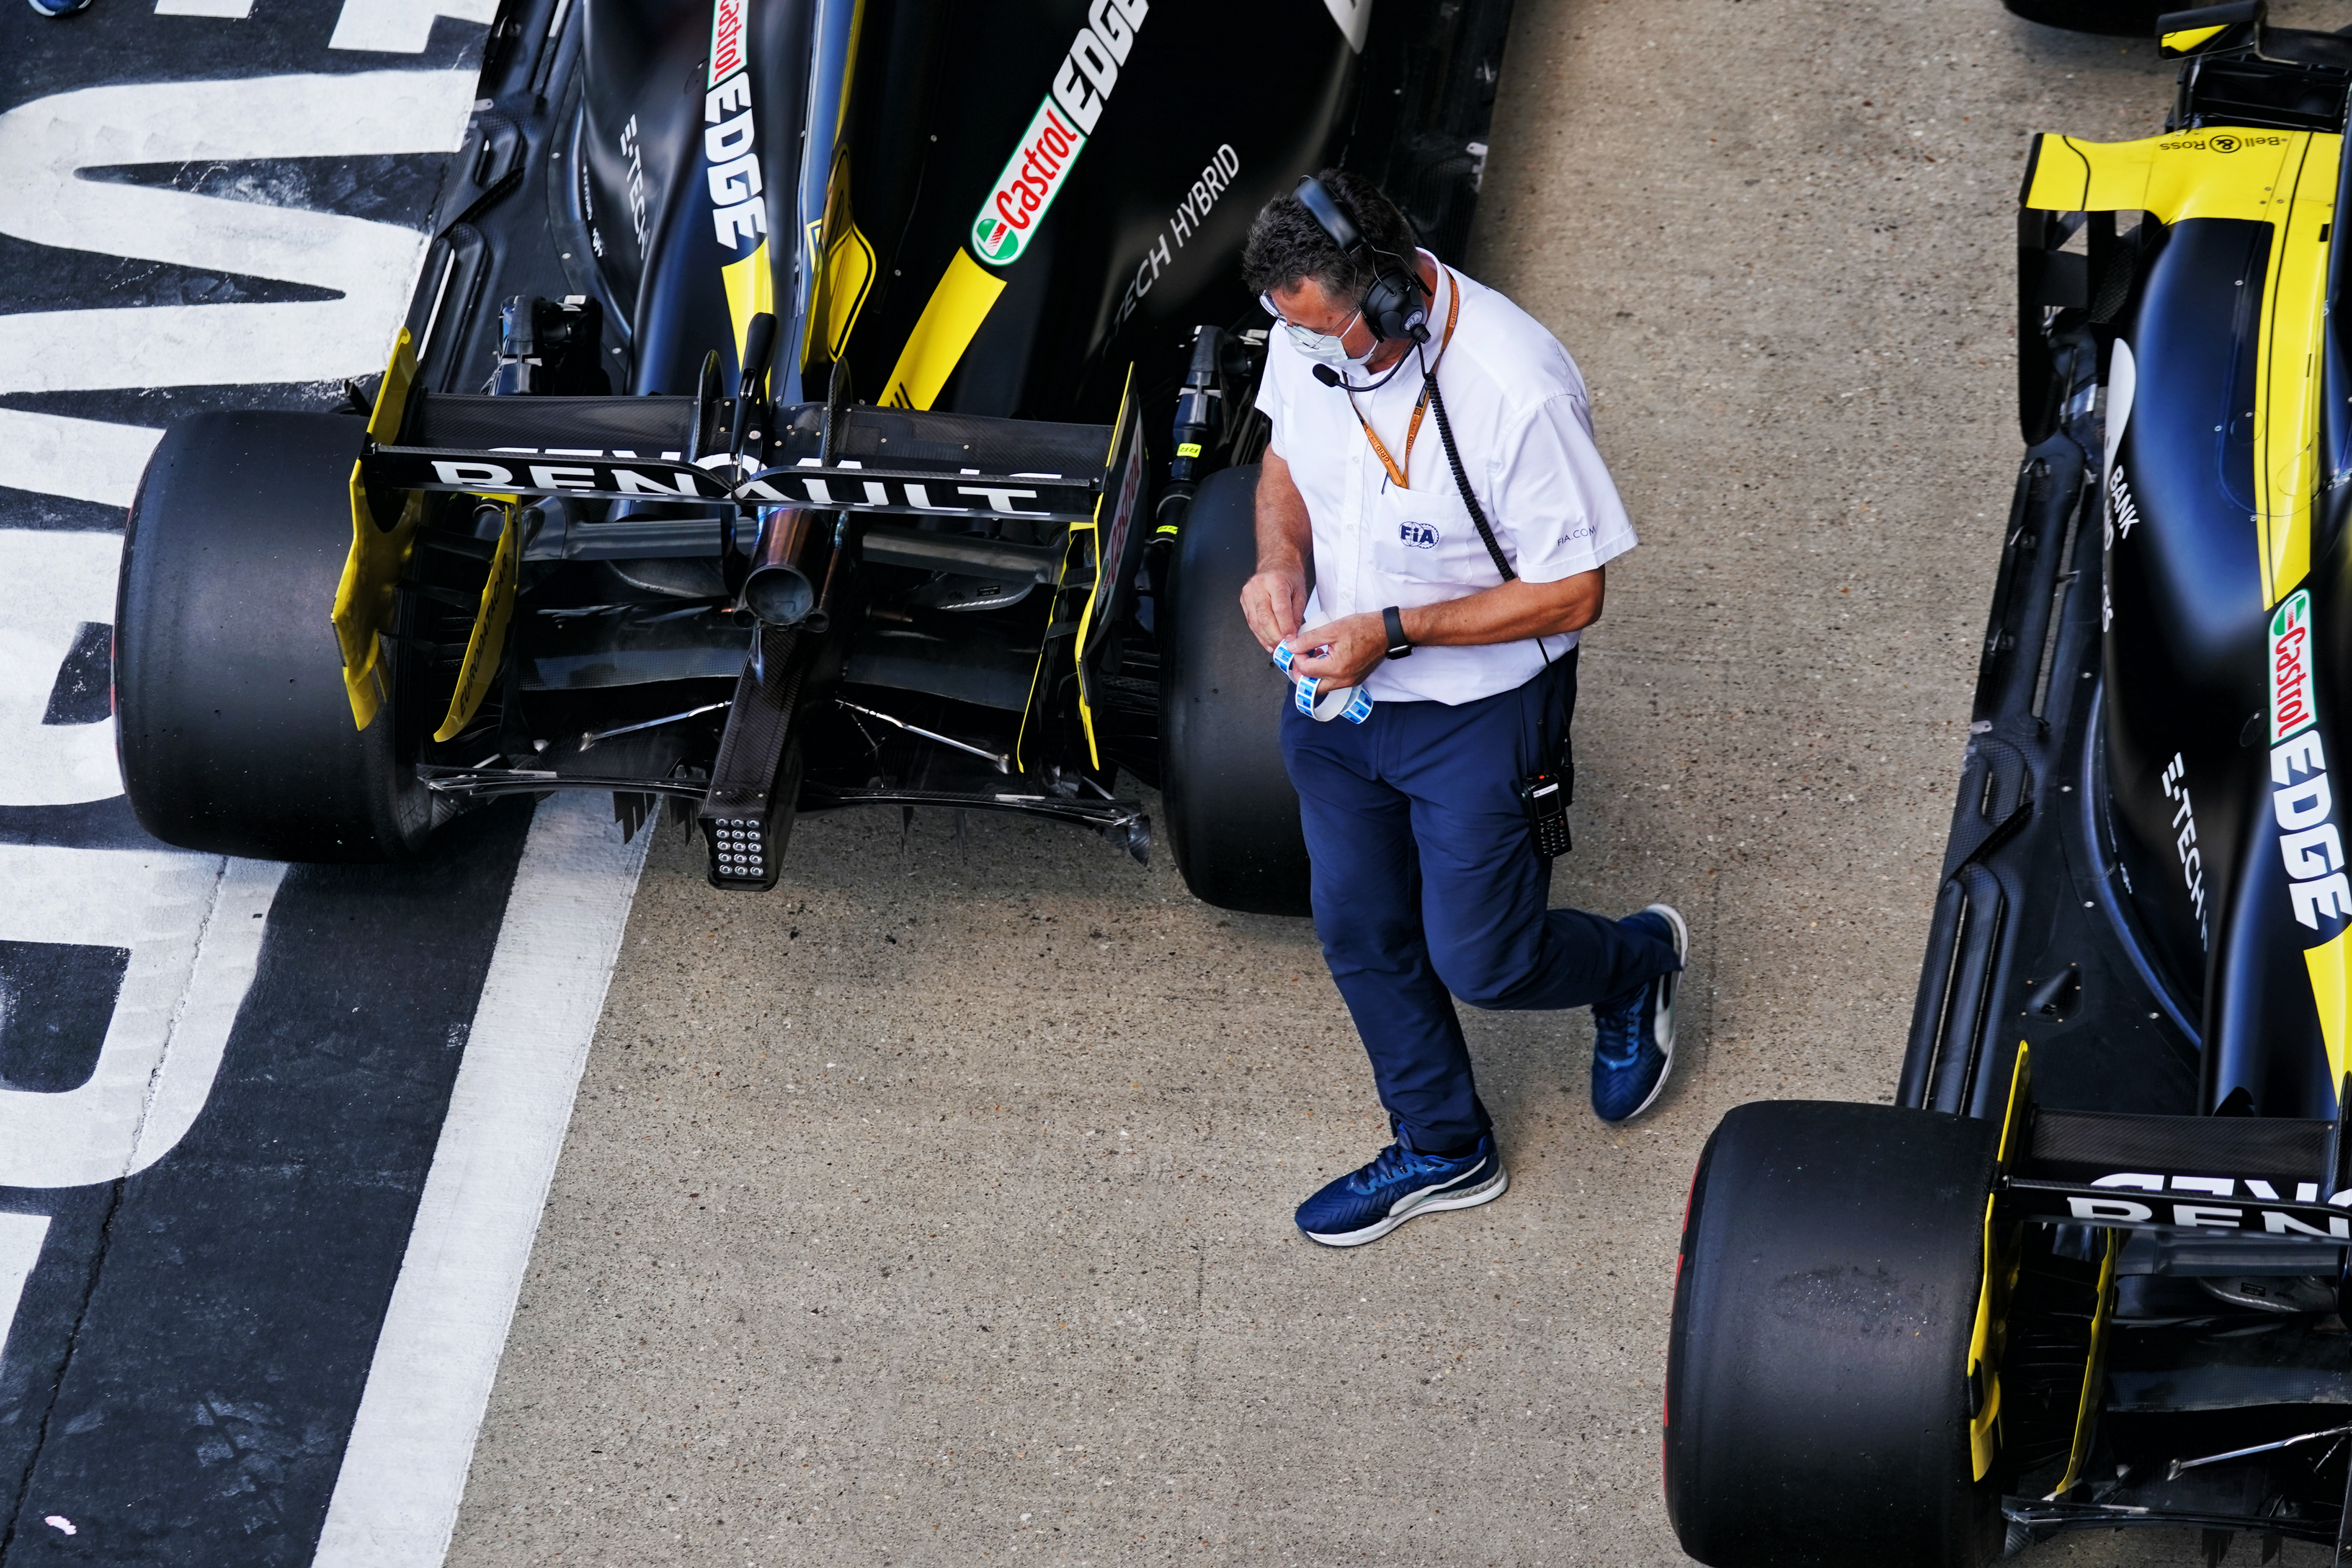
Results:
x,y
412,1443
20,1247
401,27
46,145
192,926
227,10
87,459
51,765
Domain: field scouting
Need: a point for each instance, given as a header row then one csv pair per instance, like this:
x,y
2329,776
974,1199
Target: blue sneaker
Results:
x,y
1365,1205
1634,1031
59,8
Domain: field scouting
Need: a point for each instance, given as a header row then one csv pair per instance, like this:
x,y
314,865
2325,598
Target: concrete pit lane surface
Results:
x,y
937,1207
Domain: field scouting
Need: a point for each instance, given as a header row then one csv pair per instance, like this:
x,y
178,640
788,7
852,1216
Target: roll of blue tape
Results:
x,y
1319,702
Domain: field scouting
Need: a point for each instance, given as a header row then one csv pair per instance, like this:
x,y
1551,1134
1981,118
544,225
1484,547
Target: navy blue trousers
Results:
x,y
1426,883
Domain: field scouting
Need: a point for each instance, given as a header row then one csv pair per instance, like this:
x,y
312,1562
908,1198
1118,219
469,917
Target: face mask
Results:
x,y
1324,348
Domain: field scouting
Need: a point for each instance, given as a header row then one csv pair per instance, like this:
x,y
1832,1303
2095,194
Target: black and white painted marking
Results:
x,y
273,1140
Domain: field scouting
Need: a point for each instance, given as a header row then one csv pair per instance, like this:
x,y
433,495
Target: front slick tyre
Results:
x,y
1818,1398
236,732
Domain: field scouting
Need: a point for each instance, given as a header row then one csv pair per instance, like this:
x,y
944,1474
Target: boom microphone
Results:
x,y
1329,377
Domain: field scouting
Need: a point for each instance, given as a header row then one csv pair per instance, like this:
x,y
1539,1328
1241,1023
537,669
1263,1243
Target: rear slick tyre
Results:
x,y
1817,1373
1233,814
2109,19
235,730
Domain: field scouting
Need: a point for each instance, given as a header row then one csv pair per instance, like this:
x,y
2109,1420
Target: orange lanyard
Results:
x,y
1413,429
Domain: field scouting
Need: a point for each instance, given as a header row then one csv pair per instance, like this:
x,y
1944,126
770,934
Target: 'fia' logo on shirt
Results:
x,y
1419,535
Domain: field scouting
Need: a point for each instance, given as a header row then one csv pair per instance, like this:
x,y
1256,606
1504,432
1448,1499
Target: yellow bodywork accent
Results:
x,y
2095,1370
487,644
1083,554
2186,40
363,598
2331,988
848,277
751,291
2012,1121
1984,1439
1103,569
956,307
1986,1337
2284,178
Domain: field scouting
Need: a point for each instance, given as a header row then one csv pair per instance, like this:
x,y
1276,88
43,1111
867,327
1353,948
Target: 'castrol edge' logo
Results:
x,y
1040,164
2302,799
736,210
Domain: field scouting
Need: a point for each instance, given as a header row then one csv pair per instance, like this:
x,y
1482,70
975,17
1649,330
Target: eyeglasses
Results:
x,y
1306,342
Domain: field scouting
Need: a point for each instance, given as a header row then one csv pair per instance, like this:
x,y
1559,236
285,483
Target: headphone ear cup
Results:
x,y
1392,307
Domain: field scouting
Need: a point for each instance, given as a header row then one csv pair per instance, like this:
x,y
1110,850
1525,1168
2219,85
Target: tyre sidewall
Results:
x,y
235,730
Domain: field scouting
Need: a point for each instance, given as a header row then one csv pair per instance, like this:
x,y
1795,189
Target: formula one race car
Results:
x,y
777,426
2090,1269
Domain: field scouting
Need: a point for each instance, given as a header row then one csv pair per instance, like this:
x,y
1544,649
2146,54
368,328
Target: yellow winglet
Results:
x,y
2187,41
487,646
2012,1120
1107,552
363,598
1984,1358
2095,1368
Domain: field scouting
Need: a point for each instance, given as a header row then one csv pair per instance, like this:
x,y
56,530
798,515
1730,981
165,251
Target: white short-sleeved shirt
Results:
x,y
1522,422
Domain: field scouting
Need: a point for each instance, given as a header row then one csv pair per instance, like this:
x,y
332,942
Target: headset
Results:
x,y
1396,305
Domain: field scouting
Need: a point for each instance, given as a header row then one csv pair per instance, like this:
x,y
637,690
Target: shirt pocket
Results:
x,y
1425,537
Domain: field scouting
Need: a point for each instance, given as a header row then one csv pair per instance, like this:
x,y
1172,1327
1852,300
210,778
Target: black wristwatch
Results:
x,y
1399,644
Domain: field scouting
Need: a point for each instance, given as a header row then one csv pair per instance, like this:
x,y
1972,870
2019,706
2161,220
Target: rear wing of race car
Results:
x,y
673,449
2278,1177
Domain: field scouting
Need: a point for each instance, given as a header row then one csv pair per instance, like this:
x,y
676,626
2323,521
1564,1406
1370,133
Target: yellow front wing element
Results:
x,y
363,599
487,644
946,328
2284,178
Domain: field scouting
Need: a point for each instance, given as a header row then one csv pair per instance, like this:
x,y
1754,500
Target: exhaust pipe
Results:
x,y
777,590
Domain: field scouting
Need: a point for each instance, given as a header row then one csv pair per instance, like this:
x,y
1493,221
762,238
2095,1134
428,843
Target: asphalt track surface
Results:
x,y
936,1206
272,1140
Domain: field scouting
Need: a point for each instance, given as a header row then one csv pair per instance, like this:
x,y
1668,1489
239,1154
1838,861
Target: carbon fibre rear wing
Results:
x,y
2278,1177
667,448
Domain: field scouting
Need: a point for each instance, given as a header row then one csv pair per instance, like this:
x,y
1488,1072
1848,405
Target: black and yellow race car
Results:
x,y
804,404
2089,1269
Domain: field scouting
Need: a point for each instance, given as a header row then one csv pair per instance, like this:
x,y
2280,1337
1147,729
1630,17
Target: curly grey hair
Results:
x,y
1286,246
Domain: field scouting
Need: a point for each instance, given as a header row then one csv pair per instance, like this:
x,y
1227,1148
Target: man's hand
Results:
x,y
1353,647
1274,602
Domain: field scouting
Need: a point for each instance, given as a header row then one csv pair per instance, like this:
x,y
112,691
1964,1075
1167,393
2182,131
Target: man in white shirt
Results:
x,y
1458,617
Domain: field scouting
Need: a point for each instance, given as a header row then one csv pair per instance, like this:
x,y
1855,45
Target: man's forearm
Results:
x,y
1284,537
1510,611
